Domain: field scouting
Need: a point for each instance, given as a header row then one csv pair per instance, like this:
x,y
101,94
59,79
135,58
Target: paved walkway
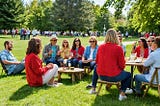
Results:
x,y
125,43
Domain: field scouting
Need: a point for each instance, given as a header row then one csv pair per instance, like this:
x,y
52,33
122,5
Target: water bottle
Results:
x,y
69,64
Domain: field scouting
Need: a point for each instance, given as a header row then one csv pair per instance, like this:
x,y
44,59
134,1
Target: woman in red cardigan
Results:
x,y
141,51
111,63
77,52
37,75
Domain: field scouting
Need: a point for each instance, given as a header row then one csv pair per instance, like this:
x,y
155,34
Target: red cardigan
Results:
x,y
146,52
80,52
110,60
34,70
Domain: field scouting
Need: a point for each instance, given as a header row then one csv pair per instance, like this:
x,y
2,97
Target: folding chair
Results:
x,y
118,84
3,67
151,84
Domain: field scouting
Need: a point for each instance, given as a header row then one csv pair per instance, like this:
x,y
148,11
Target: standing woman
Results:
x,y
37,75
77,52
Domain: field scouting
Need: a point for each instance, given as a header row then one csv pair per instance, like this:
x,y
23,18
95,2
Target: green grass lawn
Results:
x,y
14,90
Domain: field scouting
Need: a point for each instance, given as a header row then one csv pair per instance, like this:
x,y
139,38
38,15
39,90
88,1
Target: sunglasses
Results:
x,y
76,40
54,40
65,42
91,41
150,41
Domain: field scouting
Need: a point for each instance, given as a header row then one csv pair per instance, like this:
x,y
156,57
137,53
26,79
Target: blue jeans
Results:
x,y
139,78
94,77
91,64
17,69
124,77
73,61
52,60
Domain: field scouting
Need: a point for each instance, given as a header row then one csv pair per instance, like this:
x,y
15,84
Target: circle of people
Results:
x,y
107,60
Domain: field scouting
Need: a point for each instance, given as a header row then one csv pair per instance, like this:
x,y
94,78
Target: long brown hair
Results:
x,y
34,46
74,44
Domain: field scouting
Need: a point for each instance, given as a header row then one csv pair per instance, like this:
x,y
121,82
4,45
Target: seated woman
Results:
x,y
37,75
149,42
152,61
141,51
90,52
77,52
110,64
64,52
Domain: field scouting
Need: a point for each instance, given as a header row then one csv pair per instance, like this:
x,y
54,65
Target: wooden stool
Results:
x,y
118,84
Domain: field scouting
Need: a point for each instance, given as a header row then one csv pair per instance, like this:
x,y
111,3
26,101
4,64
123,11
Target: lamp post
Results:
x,y
104,30
104,27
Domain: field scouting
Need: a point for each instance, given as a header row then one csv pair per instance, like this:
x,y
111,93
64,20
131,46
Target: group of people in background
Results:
x,y
106,60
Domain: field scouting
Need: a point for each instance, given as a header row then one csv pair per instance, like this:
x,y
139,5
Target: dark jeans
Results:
x,y
124,77
91,64
52,60
73,61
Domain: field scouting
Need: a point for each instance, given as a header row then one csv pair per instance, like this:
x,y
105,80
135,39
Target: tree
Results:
x,y
102,18
144,15
117,4
73,15
11,13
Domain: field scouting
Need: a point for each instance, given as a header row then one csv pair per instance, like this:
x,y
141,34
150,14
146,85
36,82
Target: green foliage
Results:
x,y
146,15
102,18
11,13
73,15
117,4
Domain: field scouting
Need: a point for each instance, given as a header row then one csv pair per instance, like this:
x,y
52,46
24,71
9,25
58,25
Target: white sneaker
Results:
x,y
122,97
92,91
60,83
52,85
128,91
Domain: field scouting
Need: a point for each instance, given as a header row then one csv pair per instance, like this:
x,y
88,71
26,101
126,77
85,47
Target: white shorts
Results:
x,y
50,74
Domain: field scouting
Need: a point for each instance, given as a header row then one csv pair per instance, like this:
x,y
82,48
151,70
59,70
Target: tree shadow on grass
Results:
x,y
3,76
25,91
4,37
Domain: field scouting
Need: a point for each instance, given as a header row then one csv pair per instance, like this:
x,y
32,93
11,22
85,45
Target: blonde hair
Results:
x,y
111,36
65,40
93,38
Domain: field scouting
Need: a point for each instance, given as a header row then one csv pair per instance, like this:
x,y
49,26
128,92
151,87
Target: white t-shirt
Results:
x,y
91,54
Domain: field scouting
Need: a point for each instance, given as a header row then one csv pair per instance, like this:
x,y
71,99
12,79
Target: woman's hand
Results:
x,y
50,65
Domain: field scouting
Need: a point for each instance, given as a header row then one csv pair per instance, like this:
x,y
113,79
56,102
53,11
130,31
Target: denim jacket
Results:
x,y
88,51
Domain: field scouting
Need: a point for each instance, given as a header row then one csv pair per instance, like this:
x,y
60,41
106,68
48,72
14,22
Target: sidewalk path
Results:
x,y
125,43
